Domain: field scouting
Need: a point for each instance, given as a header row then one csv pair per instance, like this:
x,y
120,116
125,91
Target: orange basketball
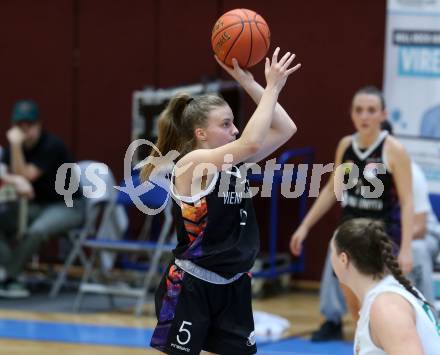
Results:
x,y
242,34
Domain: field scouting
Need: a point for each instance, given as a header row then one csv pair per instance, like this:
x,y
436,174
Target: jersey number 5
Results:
x,y
186,332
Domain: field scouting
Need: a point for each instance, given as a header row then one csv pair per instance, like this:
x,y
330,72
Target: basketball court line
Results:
x,y
136,337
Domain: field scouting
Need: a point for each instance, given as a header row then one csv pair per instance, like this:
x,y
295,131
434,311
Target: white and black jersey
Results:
x,y
372,193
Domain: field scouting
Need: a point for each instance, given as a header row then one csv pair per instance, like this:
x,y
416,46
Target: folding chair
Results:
x,y
154,249
96,211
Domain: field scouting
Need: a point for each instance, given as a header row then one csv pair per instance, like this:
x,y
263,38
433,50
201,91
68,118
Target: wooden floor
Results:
x,y
301,308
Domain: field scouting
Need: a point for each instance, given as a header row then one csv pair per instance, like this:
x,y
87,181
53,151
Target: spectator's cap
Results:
x,y
25,110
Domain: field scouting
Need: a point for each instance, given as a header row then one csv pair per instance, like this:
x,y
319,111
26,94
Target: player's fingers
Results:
x,y
295,247
220,62
294,69
235,64
284,58
289,61
275,55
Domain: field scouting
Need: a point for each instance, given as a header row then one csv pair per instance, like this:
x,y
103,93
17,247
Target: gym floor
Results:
x,y
26,329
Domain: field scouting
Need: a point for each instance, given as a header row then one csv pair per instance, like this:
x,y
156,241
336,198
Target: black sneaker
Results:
x,y
13,289
328,331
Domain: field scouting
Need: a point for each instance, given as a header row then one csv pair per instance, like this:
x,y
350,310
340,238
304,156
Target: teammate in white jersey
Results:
x,y
395,318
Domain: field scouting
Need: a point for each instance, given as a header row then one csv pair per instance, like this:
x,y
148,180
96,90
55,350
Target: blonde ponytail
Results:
x,y
176,125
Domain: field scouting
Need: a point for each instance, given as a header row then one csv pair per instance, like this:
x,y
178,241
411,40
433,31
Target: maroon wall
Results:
x,y
116,41
82,59
36,61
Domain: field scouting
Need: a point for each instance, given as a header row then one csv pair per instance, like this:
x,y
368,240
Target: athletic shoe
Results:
x,y
329,330
13,289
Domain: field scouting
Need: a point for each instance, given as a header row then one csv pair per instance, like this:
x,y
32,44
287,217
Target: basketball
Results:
x,y
242,34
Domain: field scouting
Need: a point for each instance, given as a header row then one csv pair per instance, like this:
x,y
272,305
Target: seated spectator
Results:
x,y
34,156
422,273
424,246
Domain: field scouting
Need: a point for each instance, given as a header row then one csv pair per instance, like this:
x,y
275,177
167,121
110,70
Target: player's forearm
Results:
x,y
322,205
281,121
407,220
253,89
259,123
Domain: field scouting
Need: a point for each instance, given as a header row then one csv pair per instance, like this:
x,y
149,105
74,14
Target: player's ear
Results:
x,y
200,134
344,258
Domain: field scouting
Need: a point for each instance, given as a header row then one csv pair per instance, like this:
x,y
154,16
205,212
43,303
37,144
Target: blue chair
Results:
x,y
95,211
154,199
273,269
